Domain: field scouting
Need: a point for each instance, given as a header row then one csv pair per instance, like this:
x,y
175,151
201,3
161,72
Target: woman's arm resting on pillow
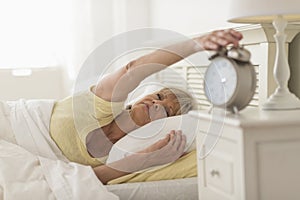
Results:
x,y
164,151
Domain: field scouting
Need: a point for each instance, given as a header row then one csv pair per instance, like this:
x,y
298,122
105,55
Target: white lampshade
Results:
x,y
263,11
279,12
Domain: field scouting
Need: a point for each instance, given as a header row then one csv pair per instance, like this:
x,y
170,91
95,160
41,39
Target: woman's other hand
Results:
x,y
165,150
161,152
217,39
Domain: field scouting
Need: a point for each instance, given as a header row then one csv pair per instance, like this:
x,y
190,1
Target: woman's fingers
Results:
x,y
182,144
166,150
177,139
172,143
157,145
219,38
225,38
236,34
177,144
172,137
161,143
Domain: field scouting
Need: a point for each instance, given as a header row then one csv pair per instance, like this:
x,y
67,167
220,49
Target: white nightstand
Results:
x,y
256,156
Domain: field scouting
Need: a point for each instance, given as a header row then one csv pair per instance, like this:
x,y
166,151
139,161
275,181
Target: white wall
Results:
x,y
95,21
91,24
190,16
184,16
131,14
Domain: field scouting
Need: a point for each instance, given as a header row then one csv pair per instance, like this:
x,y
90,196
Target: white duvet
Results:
x,y
31,165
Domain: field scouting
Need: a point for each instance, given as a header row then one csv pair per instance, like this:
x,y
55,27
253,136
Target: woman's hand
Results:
x,y
217,39
163,151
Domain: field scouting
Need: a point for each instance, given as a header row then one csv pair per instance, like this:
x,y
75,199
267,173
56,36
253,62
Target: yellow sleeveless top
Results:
x,y
76,116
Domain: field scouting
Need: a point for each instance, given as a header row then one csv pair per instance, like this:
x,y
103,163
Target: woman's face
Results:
x,y
154,106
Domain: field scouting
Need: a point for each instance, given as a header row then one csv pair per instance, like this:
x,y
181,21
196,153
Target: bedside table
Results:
x,y
254,155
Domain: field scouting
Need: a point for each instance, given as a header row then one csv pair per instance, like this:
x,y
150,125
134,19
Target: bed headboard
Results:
x,y
258,39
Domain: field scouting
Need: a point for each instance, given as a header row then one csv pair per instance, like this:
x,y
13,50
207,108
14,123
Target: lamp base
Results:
x,y
282,99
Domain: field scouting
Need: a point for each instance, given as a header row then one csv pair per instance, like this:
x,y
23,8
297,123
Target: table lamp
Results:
x,y
278,12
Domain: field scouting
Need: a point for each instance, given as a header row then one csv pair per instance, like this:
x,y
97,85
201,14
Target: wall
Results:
x,y
91,24
95,21
190,16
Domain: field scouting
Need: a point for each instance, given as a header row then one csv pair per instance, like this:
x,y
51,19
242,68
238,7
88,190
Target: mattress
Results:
x,y
177,189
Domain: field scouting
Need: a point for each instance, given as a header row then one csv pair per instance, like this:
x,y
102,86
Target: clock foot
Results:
x,y
235,110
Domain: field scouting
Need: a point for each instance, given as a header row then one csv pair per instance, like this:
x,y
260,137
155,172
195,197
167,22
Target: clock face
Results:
x,y
220,81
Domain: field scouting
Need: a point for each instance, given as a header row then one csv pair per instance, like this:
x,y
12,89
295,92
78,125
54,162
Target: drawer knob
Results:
x,y
214,173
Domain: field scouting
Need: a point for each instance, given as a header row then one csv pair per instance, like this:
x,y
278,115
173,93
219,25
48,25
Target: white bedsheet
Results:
x,y
31,165
176,189
30,121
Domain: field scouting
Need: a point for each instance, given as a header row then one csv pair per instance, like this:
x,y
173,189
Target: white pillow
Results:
x,y
143,137
142,90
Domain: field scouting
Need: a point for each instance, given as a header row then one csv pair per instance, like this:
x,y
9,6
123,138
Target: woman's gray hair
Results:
x,y
186,101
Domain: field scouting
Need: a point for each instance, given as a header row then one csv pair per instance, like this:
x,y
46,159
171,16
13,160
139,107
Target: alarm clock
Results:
x,y
230,79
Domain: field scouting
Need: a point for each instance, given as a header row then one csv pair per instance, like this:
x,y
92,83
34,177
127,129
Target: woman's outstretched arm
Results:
x,y
117,85
164,151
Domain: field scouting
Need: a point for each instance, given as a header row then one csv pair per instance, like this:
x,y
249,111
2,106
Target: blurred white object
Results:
x,y
21,72
35,83
44,178
279,12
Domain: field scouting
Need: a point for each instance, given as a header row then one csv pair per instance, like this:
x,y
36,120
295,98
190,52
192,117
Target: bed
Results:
x,y
177,189
45,174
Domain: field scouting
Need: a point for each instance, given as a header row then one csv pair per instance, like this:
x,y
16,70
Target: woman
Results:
x,y
87,125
